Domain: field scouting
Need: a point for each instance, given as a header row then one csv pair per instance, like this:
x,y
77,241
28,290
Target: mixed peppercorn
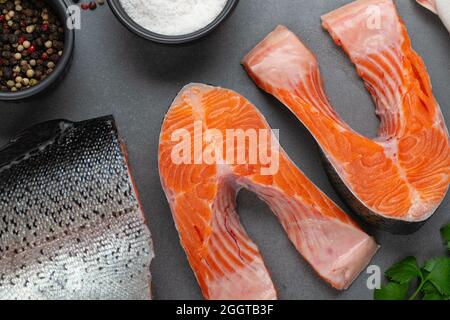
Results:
x,y
31,42
90,5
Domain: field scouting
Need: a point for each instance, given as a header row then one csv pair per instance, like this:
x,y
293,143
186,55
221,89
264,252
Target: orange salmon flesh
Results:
x,y
400,177
202,198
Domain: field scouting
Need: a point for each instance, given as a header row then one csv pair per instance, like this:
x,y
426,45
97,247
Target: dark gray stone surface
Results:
x,y
115,72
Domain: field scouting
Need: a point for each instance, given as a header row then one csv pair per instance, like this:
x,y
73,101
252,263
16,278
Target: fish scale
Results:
x,y
71,226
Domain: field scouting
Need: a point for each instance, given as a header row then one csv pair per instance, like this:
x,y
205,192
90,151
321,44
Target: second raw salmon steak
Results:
x,y
397,180
213,143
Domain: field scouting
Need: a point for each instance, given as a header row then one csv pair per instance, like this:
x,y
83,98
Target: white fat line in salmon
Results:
x,y
233,147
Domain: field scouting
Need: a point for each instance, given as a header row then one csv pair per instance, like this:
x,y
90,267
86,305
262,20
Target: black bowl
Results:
x,y
60,9
125,19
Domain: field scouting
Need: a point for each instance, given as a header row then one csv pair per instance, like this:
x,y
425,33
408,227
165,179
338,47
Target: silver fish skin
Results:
x,y
71,226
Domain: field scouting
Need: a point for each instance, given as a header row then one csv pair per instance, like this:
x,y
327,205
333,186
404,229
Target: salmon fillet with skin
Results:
x,y
71,223
397,180
202,198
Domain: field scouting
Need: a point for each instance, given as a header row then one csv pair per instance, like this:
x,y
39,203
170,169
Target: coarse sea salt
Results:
x,y
173,17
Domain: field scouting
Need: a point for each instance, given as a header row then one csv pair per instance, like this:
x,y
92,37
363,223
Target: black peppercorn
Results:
x,y
31,43
7,73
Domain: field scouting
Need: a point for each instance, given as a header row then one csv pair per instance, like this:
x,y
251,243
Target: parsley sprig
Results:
x,y
433,279
445,232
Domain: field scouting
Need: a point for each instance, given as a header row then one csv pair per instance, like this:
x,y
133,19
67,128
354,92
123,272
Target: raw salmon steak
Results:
x,y
397,180
202,197
71,226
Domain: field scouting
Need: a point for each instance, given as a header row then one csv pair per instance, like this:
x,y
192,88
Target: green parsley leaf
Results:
x,y
404,271
433,279
431,293
439,274
428,287
434,296
445,232
391,291
429,266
